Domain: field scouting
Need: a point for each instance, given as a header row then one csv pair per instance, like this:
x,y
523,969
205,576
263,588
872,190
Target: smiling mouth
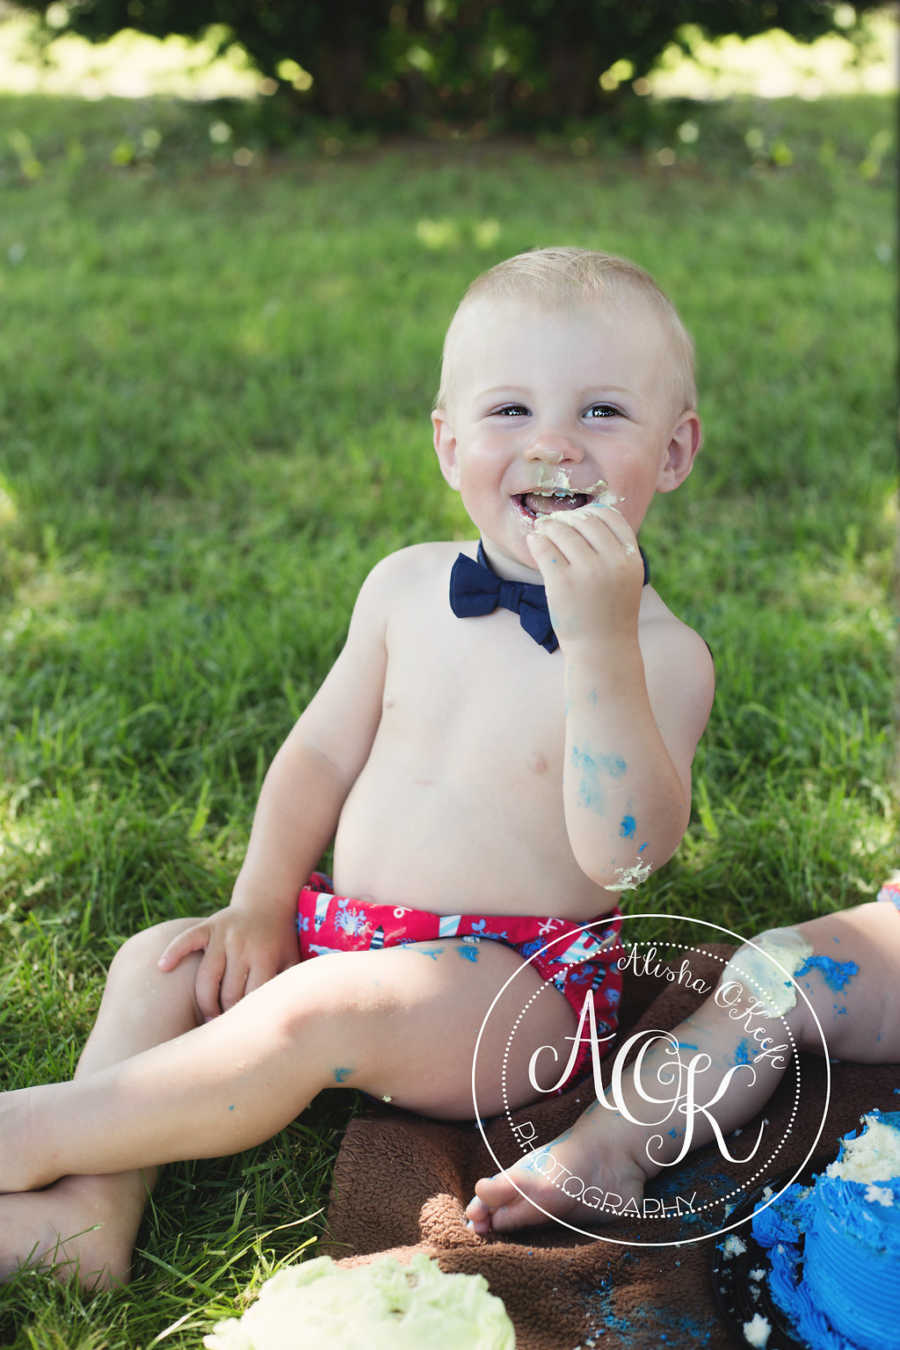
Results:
x,y
536,504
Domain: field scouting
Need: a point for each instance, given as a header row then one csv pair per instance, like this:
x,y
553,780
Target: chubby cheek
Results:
x,y
636,485
480,473
482,503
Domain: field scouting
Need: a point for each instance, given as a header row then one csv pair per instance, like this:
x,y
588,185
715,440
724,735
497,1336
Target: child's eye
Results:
x,y
601,410
511,410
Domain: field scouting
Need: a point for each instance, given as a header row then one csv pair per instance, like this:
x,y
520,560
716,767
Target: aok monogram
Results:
x,y
664,1076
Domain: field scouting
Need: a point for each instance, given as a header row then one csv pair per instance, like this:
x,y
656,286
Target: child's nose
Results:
x,y
555,447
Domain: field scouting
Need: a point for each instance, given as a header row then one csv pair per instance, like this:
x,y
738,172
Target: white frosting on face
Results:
x,y
551,478
554,479
763,978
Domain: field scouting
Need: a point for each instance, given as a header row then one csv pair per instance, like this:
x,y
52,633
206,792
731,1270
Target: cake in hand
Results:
x,y
840,1285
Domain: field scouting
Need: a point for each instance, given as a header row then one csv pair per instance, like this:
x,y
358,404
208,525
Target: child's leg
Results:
x,y
860,1021
88,1223
400,1022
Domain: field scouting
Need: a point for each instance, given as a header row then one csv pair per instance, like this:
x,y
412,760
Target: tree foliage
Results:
x,y
396,62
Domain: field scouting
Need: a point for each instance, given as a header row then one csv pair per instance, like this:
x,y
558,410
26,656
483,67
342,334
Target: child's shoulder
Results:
x,y
671,643
416,564
408,570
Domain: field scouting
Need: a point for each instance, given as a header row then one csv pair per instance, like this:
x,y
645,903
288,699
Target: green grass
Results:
x,y
214,388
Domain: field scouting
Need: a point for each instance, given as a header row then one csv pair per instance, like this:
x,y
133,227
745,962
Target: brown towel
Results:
x,y
401,1184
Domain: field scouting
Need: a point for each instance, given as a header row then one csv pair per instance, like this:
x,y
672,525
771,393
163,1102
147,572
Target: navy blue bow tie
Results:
x,y
476,589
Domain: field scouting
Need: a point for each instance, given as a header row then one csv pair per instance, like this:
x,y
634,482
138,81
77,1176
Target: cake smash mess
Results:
x,y
846,1224
502,747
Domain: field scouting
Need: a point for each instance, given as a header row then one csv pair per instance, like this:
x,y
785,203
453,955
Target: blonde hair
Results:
x,y
554,276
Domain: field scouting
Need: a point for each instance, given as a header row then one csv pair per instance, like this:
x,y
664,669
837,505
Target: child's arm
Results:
x,y
635,710
304,790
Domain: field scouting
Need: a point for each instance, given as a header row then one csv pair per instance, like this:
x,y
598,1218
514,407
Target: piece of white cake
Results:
x,y
383,1305
757,1331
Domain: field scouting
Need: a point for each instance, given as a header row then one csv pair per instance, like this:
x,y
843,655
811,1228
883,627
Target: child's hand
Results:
x,y
241,951
593,573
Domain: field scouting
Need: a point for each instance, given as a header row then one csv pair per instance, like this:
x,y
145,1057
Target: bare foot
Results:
x,y
585,1175
70,1229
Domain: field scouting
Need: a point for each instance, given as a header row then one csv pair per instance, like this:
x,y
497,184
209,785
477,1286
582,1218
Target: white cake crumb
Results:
x,y
873,1156
757,1330
758,1273
879,1195
733,1246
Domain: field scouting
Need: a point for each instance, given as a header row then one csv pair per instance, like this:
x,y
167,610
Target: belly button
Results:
x,y
537,763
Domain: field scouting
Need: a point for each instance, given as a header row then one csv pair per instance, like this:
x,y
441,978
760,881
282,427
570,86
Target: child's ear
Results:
x,y
684,443
445,447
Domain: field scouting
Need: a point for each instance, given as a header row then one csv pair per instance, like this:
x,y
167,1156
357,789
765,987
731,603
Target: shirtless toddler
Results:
x,y
473,765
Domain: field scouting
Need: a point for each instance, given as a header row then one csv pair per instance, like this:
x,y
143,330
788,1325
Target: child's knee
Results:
x,y
142,950
361,998
766,969
766,965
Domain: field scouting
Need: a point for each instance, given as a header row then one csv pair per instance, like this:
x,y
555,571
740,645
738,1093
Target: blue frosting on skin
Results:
x,y
835,973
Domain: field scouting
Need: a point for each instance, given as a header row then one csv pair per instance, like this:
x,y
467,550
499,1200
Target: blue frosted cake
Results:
x,y
840,1286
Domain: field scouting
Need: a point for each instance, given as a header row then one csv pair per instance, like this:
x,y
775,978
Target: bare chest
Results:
x,y
459,807
478,698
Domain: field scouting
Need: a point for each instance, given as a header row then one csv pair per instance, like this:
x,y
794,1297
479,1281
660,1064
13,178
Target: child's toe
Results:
x,y
495,1191
477,1212
519,1213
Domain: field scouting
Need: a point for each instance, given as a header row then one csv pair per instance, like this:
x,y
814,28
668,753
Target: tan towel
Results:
x,y
401,1184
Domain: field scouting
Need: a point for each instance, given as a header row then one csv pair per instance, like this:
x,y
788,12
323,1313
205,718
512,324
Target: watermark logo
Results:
x,y
653,1096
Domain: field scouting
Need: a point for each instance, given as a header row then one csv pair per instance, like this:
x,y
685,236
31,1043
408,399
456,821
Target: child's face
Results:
x,y
577,399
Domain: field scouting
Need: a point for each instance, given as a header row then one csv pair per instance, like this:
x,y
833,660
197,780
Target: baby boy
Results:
x,y
501,749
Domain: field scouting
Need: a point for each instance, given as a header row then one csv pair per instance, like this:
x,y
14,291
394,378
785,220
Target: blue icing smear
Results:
x,y
784,1220
627,827
835,973
591,791
669,1327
